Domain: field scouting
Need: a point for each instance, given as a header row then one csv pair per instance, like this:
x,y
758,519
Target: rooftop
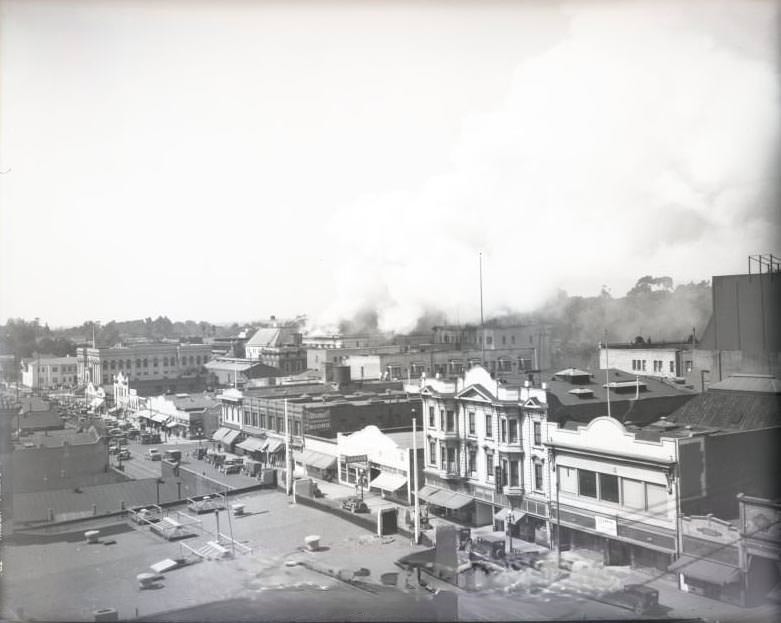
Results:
x,y
58,438
755,383
731,410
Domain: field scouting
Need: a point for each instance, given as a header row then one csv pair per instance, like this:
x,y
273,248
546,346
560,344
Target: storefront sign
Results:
x,y
356,458
606,525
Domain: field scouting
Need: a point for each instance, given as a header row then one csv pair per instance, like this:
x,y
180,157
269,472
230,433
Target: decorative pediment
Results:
x,y
475,392
533,403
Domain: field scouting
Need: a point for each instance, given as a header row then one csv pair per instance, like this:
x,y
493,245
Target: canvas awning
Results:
x,y
454,501
252,444
428,493
501,515
159,418
318,460
273,445
705,570
220,433
388,481
96,402
173,424
230,437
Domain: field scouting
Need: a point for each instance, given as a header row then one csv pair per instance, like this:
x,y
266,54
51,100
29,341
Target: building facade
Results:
x,y
142,363
279,348
664,361
615,492
484,452
46,373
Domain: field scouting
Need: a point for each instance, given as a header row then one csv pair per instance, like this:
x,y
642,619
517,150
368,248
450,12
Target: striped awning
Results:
x,y
444,498
230,437
501,515
220,433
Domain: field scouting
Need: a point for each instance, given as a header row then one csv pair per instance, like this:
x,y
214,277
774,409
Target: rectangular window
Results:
x,y
489,426
432,418
513,431
503,430
656,499
608,488
672,367
537,434
587,483
538,477
451,461
472,461
432,452
633,494
644,365
568,480
451,421
472,423
489,341
489,465
514,473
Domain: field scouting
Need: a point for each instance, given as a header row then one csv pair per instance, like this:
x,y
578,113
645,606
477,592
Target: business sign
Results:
x,y
356,458
606,525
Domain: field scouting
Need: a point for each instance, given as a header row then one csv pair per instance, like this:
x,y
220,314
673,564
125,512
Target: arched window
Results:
x,y
146,363
128,364
155,362
138,363
165,361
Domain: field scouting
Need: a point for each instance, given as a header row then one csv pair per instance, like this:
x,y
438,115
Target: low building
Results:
x,y
46,373
183,416
760,548
381,461
230,371
664,360
60,459
36,415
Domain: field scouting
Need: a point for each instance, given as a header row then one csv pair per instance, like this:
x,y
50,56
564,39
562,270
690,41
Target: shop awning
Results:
x,y
705,570
454,501
159,418
318,460
220,433
274,445
252,444
230,437
96,402
501,515
428,492
173,424
388,481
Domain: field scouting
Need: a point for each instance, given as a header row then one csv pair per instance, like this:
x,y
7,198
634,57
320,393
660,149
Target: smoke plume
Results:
x,y
639,143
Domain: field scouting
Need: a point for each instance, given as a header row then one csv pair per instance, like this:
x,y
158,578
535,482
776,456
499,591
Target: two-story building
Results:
x,y
278,347
45,373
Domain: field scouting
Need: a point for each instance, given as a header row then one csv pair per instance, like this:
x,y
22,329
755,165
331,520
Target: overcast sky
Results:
x,y
230,160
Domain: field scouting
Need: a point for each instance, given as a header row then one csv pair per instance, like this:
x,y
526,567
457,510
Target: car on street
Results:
x,y
112,449
153,454
355,505
124,454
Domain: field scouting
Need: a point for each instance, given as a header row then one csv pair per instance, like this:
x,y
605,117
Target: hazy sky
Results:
x,y
231,160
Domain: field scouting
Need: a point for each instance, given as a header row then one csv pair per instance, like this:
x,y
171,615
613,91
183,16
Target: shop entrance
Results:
x,y
617,553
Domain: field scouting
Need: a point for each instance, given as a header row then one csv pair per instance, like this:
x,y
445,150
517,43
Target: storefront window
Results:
x,y
633,494
587,483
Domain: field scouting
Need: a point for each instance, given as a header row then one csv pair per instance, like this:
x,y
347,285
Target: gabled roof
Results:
x,y
272,337
476,392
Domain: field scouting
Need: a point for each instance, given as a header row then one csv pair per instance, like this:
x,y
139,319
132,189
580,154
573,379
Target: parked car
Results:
x,y
173,455
150,438
638,598
112,449
355,505
124,454
153,454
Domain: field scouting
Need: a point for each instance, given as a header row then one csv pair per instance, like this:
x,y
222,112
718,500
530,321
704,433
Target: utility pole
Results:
x,y
288,471
607,380
482,320
415,476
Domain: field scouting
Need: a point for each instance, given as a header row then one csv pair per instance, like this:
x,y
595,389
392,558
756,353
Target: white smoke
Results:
x,y
626,149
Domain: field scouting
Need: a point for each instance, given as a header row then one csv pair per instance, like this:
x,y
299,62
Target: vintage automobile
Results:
x,y
638,598
355,505
124,454
153,454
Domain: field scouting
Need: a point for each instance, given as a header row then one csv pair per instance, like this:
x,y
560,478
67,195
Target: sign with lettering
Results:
x,y
356,458
606,525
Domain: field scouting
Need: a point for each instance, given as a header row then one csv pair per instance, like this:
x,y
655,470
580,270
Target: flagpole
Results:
x,y
288,471
607,375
